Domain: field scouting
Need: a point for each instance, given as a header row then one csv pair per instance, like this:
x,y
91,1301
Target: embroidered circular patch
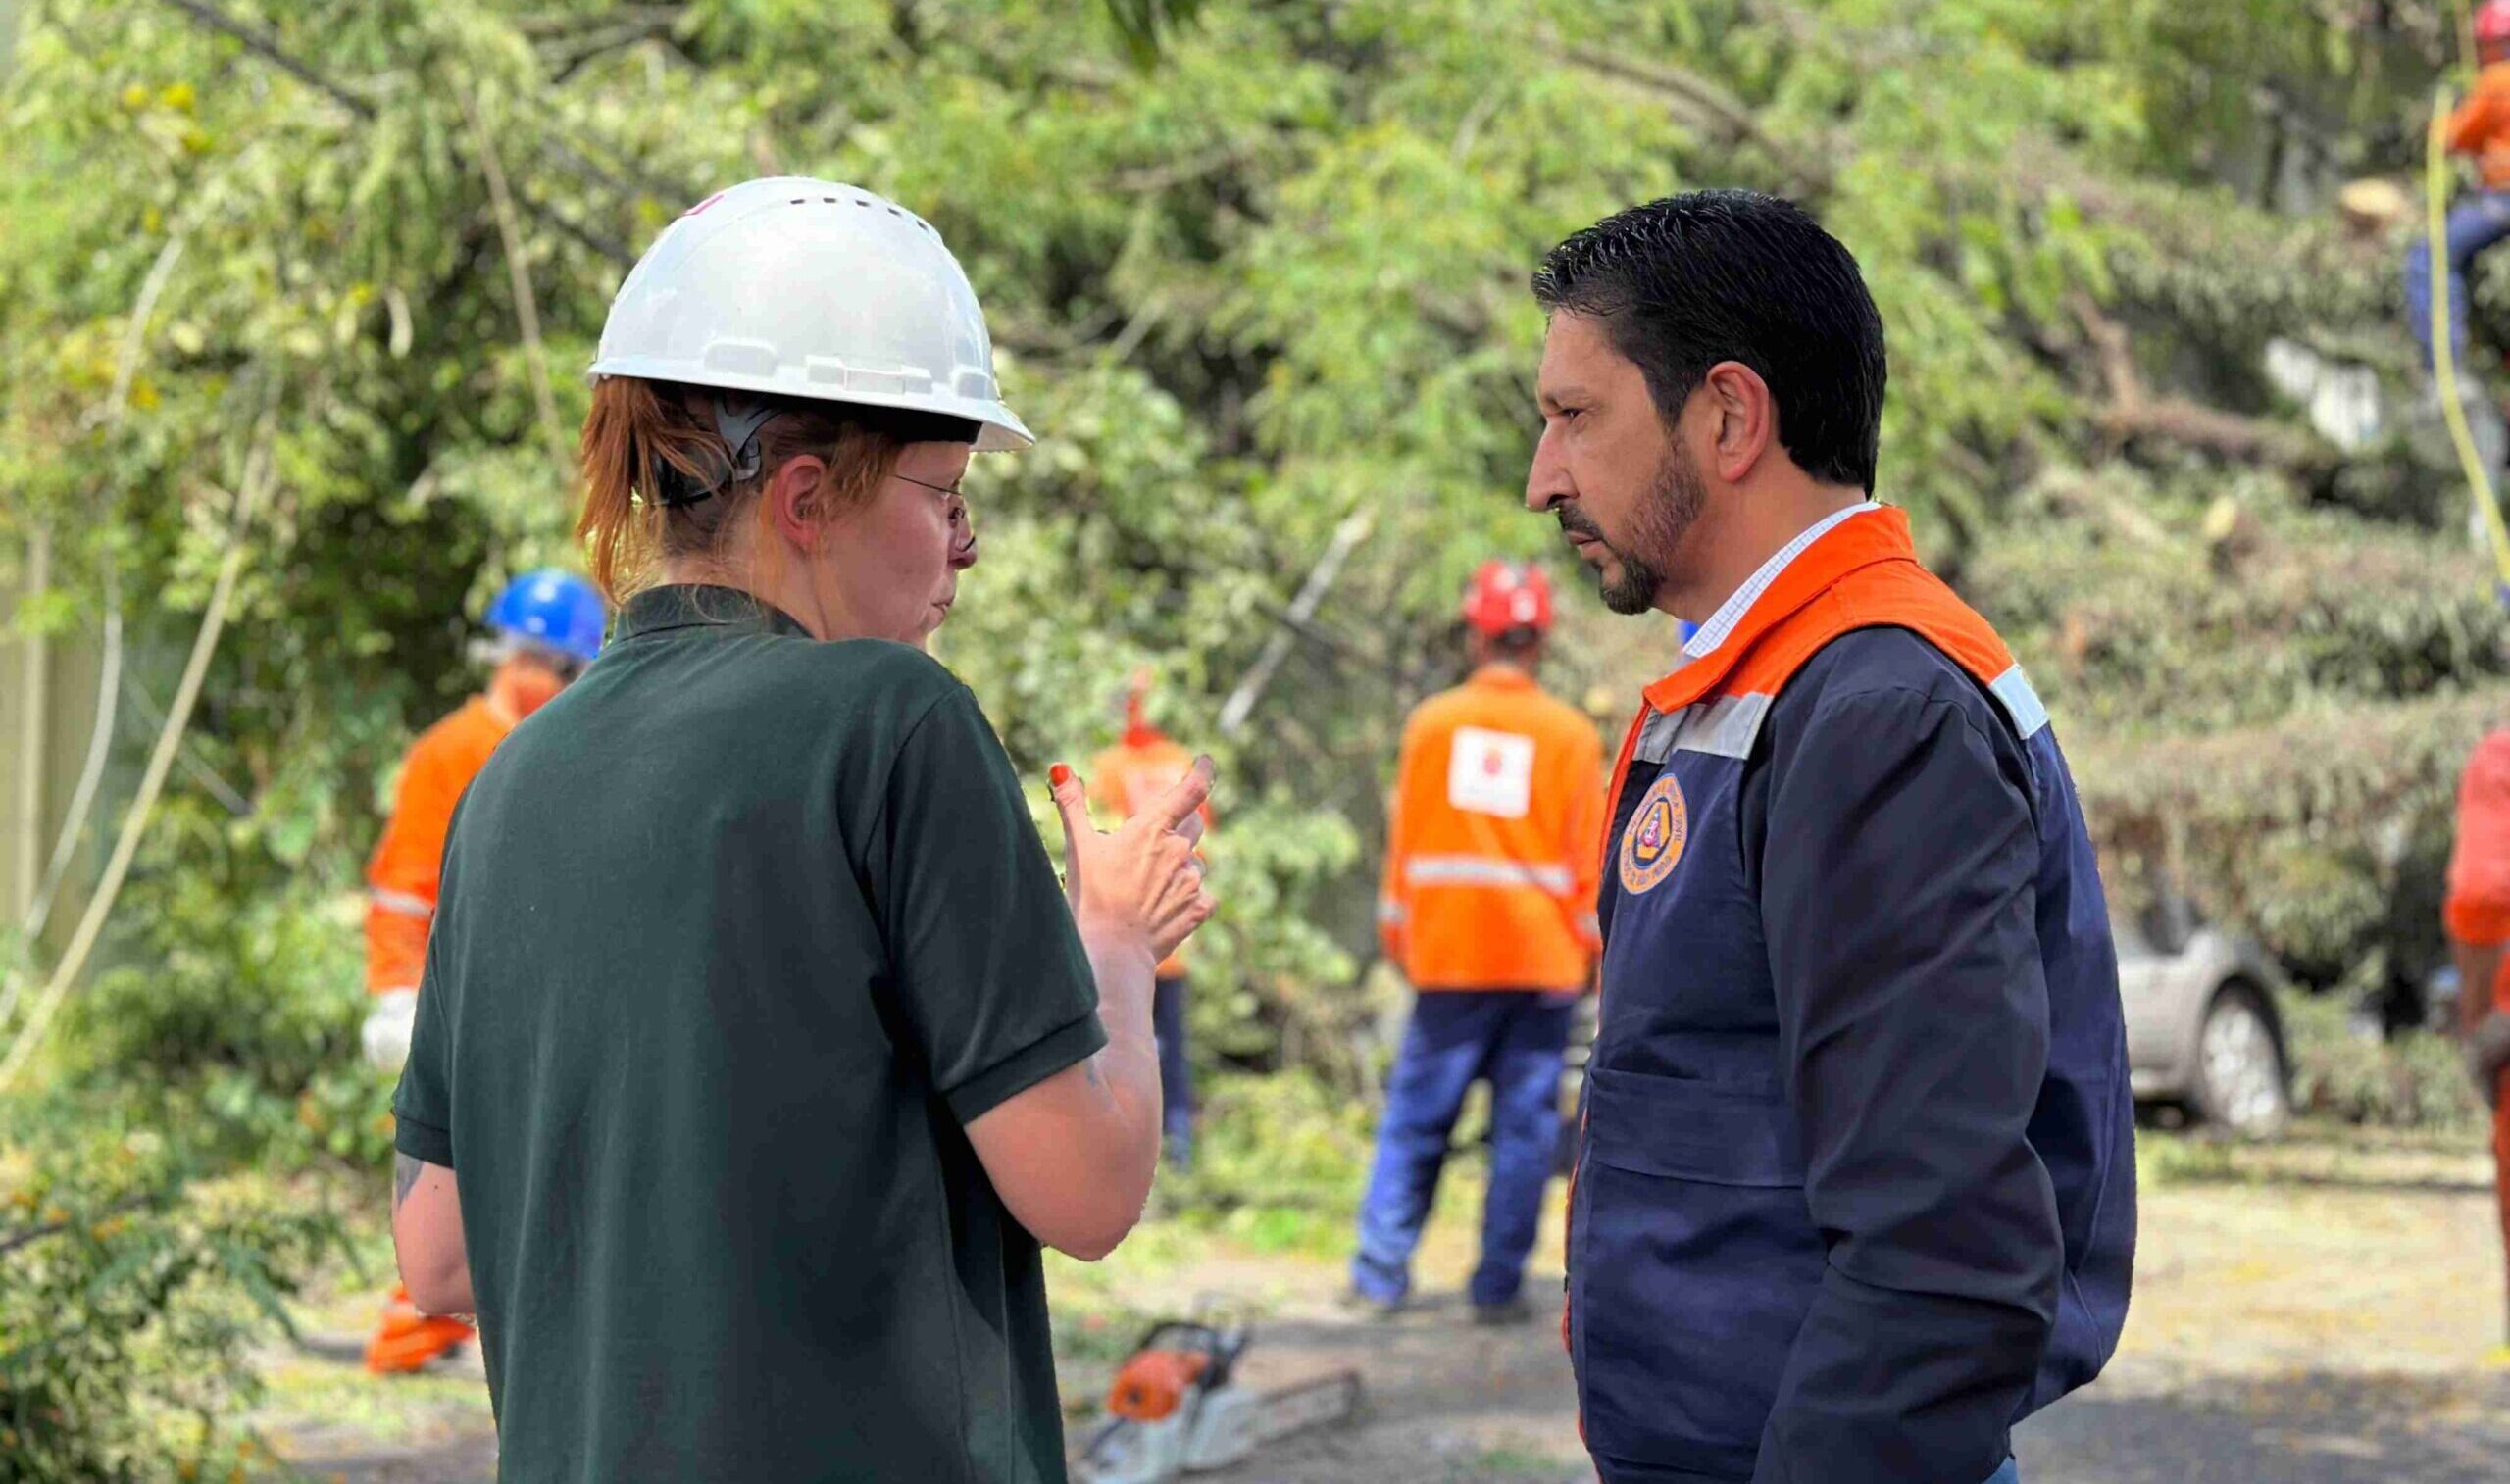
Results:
x,y
1655,839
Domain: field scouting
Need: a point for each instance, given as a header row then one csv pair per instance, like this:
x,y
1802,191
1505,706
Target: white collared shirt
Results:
x,y
1730,613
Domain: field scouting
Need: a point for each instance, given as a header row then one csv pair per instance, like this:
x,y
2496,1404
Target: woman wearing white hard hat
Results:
x,y
760,1047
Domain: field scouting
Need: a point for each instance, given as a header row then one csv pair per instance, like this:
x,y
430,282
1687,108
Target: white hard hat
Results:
x,y
808,288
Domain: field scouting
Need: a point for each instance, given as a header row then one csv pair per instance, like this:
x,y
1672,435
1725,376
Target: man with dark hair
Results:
x,y
1856,1185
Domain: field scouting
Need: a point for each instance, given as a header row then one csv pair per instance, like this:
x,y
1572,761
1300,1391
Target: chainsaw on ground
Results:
x,y
1176,1408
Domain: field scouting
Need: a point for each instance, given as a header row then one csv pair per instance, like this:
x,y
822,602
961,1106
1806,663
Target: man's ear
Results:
x,y
1746,418
793,500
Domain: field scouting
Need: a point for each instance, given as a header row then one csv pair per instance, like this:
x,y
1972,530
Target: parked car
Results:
x,y
2203,1035
2202,1030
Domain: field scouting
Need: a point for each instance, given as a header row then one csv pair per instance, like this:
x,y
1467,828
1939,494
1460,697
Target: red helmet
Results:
x,y
2492,21
1508,595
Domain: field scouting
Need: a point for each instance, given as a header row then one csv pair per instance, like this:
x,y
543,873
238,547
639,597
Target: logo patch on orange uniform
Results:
x,y
1656,836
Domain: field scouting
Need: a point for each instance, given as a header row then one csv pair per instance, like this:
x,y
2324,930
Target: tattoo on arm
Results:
x,y
1090,1070
405,1174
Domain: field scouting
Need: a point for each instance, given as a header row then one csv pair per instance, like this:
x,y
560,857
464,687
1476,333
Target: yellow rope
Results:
x,y
2444,360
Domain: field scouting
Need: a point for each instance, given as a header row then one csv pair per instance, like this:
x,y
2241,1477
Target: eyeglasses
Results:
x,y
954,506
956,497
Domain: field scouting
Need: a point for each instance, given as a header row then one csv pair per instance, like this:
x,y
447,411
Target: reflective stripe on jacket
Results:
x,y
1492,840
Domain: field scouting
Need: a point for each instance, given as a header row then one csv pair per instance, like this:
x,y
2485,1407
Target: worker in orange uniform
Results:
x,y
1488,907
2480,128
1123,780
2477,914
548,628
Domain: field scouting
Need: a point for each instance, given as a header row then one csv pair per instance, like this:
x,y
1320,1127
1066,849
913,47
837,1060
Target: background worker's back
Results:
x,y
1490,860
548,625
1489,906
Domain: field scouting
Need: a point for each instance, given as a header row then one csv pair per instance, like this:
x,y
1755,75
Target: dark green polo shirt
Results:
x,y
737,936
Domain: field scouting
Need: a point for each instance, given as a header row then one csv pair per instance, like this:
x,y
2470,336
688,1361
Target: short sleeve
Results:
x,y
990,973
422,1105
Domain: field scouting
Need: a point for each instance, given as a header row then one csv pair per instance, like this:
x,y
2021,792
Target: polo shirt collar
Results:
x,y
692,605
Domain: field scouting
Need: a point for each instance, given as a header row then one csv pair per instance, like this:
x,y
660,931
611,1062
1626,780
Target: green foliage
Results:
x,y
239,1028
128,1303
1251,269
2417,1079
1273,276
1278,1163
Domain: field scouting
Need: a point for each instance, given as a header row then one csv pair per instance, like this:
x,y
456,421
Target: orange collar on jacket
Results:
x,y
1861,541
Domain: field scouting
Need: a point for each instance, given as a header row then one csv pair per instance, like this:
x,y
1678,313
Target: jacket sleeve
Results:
x,y
2477,120
1898,898
2476,907
401,878
1393,897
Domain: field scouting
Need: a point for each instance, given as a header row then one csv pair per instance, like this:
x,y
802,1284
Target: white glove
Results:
x,y
386,1033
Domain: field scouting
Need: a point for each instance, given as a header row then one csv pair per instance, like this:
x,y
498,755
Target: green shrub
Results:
x,y
1277,1161
129,1300
2415,1079
236,1029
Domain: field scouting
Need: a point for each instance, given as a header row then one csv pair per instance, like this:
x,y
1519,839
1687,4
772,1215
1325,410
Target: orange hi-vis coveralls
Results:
x,y
401,898
401,878
2481,127
2477,911
1493,852
1494,840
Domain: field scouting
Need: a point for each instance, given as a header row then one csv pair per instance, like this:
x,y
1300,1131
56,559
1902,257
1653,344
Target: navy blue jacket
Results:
x,y
1856,1189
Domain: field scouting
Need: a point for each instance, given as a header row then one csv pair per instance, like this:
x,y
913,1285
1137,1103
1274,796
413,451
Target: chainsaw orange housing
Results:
x,y
1153,1384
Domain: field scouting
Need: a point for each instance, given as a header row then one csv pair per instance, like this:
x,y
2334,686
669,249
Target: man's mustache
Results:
x,y
1575,522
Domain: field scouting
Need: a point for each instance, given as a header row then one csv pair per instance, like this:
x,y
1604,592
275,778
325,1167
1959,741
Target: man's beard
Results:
x,y
1662,516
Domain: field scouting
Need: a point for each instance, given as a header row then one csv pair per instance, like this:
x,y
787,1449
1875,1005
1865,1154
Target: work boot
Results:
x,y
1370,1304
1506,1312
408,1340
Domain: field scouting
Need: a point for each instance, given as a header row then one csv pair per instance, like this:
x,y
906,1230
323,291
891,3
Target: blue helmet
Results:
x,y
551,608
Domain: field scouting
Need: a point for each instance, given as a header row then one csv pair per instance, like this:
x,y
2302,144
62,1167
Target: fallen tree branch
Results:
x,y
1706,103
269,49
33,1234
260,474
1311,594
263,45
2135,413
526,305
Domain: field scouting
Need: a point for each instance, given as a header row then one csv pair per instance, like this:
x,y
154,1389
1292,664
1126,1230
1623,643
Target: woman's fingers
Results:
x,y
1072,801
1185,799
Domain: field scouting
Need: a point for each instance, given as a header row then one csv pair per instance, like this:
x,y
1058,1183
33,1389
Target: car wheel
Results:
x,y
2243,1085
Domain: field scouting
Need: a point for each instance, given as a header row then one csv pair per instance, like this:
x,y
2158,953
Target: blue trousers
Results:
x,y
2474,224
1176,1073
1512,1039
